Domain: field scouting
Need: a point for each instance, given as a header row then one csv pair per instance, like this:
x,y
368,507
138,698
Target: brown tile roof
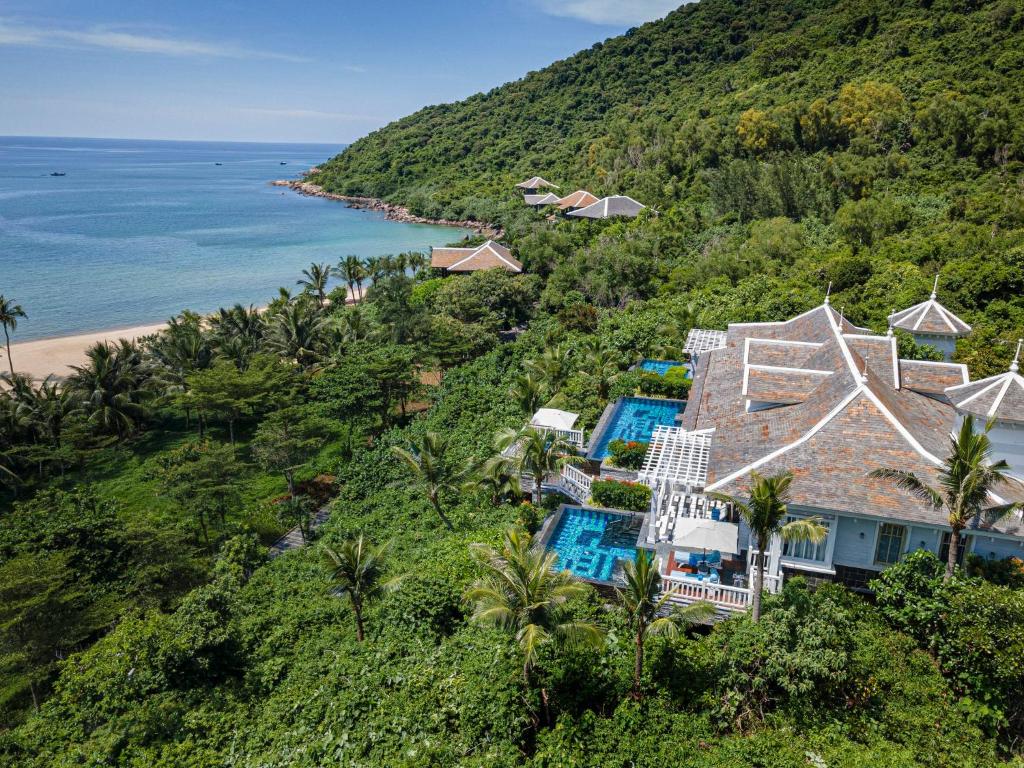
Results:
x,y
789,354
578,199
997,397
931,378
839,427
879,352
442,258
490,255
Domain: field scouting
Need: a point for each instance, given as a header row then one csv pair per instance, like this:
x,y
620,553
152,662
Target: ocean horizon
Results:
x,y
139,230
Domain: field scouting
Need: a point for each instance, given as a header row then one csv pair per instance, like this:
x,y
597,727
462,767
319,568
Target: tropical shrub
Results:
x,y
616,494
627,455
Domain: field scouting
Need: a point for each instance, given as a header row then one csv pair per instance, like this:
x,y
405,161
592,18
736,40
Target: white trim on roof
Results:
x,y
900,428
747,367
488,246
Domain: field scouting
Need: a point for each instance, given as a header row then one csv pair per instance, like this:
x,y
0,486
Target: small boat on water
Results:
x,y
218,163
283,163
58,173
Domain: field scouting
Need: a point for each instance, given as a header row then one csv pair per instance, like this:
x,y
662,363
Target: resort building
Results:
x,y
535,185
931,323
577,200
490,255
816,396
610,207
539,201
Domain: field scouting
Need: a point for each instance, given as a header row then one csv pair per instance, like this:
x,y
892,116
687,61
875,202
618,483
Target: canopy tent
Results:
x,y
694,533
552,418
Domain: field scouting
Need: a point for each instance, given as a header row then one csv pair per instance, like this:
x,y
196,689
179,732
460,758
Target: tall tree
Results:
x,y
358,571
602,365
538,453
766,514
286,441
296,332
351,270
648,612
314,281
426,460
523,592
967,481
113,387
9,314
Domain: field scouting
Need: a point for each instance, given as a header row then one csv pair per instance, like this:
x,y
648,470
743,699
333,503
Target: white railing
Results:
x,y
686,591
572,436
576,483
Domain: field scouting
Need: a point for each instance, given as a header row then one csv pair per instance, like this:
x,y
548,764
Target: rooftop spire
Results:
x,y
827,292
1014,366
935,288
888,331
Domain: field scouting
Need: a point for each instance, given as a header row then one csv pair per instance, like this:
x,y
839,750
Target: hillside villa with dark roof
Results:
x,y
828,401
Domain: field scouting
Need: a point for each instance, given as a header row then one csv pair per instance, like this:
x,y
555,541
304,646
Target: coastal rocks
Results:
x,y
390,211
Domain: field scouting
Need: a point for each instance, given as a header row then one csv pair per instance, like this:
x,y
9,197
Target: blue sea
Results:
x,y
139,230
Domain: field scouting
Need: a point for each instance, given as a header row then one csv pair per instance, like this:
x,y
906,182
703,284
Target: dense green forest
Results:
x,y
785,146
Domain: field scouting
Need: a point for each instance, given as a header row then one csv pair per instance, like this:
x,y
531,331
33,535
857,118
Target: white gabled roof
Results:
x,y
606,207
552,418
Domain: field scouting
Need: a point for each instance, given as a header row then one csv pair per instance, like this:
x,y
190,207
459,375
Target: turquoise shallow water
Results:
x,y
139,230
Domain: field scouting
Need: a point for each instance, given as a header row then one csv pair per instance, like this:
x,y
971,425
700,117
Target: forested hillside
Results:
x,y
784,146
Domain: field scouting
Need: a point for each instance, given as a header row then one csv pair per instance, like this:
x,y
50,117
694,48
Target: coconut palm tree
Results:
x,y
351,270
766,514
967,479
529,393
647,611
494,476
602,365
552,366
314,281
358,571
296,333
523,592
111,386
426,460
539,454
375,269
9,314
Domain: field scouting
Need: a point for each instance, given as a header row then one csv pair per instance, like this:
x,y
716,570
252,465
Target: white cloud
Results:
x,y
121,39
612,12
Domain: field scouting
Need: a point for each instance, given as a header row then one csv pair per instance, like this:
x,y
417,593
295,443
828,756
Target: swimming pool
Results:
x,y
661,367
633,418
592,543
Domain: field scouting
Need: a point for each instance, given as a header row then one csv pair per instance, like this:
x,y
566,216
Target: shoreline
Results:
x,y
391,212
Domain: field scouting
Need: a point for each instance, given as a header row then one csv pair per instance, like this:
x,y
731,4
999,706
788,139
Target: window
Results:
x,y
891,538
944,547
807,550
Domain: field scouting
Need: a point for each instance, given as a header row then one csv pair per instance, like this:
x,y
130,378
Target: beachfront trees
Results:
x,y
647,610
766,514
9,314
296,333
314,281
967,481
538,454
113,387
351,270
358,571
425,459
523,592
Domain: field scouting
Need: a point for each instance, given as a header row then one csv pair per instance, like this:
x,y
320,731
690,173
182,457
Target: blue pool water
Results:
x,y
661,367
592,543
635,418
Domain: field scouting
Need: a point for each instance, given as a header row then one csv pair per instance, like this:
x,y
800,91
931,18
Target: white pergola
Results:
x,y
700,340
678,457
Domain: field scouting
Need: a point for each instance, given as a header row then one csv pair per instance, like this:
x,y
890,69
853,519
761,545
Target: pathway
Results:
x,y
293,539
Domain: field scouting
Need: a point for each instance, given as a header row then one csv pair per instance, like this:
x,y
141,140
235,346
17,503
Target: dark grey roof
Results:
x,y
607,207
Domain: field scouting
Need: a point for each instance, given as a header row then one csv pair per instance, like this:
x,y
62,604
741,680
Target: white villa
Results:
x,y
829,402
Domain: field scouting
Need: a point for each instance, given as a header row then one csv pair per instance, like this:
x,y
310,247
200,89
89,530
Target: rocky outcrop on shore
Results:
x,y
390,211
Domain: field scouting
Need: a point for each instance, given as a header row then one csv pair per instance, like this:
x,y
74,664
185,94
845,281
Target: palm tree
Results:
x,y
644,608
112,385
426,460
523,592
765,514
295,333
528,392
602,365
552,366
357,570
314,281
9,314
352,271
375,269
494,476
539,454
967,478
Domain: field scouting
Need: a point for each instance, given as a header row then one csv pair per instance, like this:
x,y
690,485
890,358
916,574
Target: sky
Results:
x,y
266,70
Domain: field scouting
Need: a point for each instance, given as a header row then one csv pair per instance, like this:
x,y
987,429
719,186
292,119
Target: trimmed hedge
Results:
x,y
635,497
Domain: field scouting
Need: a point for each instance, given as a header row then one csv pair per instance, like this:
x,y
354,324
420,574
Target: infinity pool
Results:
x,y
592,543
634,418
661,367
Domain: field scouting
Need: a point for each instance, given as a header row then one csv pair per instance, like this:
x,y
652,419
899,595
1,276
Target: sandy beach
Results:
x,y
46,357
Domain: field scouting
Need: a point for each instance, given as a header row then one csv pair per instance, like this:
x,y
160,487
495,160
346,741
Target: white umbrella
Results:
x,y
697,533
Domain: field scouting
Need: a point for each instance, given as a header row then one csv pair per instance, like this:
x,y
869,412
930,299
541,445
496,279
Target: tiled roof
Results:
x,y
997,397
839,427
931,378
578,199
490,255
535,182
607,207
929,317
546,199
